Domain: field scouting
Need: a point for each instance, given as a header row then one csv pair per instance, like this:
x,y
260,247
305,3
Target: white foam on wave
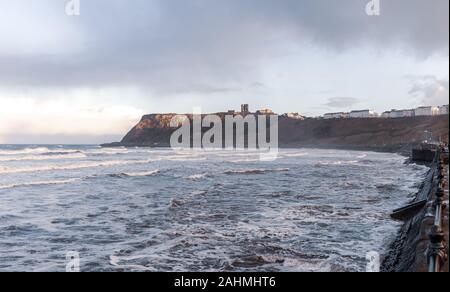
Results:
x,y
42,157
72,180
196,177
58,152
255,171
37,150
294,154
143,173
339,162
246,160
238,153
9,170
107,151
193,157
116,262
39,183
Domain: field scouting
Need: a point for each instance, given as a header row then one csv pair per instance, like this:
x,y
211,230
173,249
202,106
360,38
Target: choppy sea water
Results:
x,y
164,210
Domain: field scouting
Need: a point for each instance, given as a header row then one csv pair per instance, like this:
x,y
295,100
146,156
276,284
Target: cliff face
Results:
x,y
373,134
152,130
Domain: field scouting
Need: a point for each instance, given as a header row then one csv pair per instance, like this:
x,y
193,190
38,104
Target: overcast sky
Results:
x,y
89,78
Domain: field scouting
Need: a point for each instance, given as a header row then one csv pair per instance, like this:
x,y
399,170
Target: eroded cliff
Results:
x,y
371,134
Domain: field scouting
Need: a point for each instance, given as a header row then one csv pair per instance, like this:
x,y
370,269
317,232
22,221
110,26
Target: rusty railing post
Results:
x,y
437,251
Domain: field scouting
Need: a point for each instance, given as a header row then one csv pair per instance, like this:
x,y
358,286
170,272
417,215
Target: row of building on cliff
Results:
x,y
417,112
358,114
245,109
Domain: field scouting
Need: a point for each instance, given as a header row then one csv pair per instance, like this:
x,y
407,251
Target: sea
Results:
x,y
145,209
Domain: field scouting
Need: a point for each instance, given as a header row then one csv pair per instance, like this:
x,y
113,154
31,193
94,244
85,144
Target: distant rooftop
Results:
x,y
361,111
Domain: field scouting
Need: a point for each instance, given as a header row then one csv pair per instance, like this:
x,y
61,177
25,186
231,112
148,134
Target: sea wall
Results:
x,y
408,252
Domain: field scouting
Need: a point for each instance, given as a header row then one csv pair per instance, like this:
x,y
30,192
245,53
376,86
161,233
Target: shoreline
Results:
x,y
403,151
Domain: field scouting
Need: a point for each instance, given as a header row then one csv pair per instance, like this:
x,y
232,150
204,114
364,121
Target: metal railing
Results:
x,y
437,249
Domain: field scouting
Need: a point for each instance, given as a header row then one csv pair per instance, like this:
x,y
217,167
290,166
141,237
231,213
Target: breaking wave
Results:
x,y
44,157
38,150
352,162
107,151
10,170
196,177
72,180
136,174
39,183
294,155
255,171
45,151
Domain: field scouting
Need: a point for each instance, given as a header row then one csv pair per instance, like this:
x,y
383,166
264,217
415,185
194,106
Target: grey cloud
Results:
x,y
430,90
205,89
168,45
342,102
257,85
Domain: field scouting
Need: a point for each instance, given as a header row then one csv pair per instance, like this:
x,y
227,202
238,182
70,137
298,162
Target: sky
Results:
x,y
89,78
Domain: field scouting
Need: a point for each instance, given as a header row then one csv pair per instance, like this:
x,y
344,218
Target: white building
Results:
x,y
340,115
394,114
443,110
408,113
265,111
363,114
426,111
386,115
295,116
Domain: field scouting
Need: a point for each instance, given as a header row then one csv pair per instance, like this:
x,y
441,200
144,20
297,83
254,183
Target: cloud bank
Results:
x,y
121,58
172,45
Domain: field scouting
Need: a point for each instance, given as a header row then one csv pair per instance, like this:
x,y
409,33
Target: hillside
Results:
x,y
371,134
